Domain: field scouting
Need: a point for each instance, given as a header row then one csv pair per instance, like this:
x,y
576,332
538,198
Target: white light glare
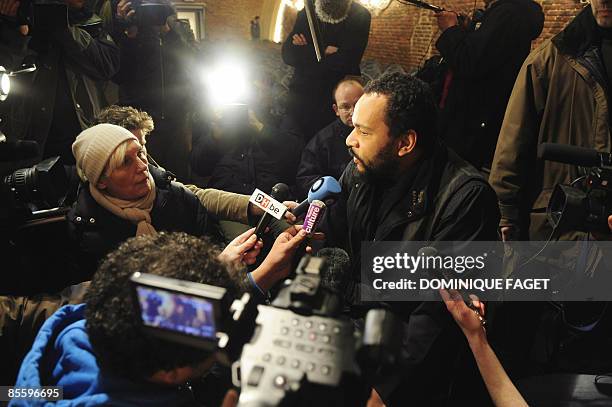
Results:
x,y
5,84
227,83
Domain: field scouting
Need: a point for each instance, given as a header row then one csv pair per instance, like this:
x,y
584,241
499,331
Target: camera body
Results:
x,y
586,203
304,352
150,13
300,350
585,208
26,190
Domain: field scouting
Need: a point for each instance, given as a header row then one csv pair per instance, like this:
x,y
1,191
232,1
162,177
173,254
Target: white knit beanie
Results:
x,y
94,146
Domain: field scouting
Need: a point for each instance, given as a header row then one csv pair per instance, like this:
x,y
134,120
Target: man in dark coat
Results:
x,y
326,153
65,93
345,27
155,77
404,185
240,153
483,65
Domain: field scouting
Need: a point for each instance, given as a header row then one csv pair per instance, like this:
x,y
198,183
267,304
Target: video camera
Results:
x,y
300,350
150,12
586,203
26,191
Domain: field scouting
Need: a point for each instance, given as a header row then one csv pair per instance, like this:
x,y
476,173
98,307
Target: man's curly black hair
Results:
x,y
112,319
410,105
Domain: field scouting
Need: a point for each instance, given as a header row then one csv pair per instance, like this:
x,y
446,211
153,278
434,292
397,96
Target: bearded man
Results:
x,y
401,185
344,27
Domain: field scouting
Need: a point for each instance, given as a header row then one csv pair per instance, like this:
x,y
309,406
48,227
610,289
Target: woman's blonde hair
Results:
x,y
117,157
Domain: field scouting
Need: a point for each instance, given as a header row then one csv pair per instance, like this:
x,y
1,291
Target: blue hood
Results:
x,y
62,356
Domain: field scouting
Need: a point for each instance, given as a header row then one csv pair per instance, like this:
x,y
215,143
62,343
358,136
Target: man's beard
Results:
x,y
332,11
382,169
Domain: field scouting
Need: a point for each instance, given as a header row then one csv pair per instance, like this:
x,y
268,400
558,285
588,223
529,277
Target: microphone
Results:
x,y
567,154
18,150
280,192
325,189
313,217
335,275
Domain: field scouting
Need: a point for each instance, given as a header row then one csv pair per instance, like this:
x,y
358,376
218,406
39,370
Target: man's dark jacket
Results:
x,y
97,231
247,159
484,65
325,154
443,199
312,83
66,92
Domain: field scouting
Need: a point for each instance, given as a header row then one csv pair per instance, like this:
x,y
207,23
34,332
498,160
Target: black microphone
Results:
x,y
335,275
280,192
567,154
18,150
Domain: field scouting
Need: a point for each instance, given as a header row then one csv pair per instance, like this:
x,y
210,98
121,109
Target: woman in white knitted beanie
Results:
x,y
114,163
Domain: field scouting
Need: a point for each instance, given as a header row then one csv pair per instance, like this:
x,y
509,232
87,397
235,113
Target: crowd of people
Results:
x,y
112,97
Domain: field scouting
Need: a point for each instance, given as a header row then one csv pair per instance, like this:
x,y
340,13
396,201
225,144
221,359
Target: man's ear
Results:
x,y
407,143
335,106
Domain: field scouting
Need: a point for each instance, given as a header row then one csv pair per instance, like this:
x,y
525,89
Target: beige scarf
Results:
x,y
137,212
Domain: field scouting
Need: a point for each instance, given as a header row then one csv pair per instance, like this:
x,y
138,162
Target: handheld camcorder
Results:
x,y
586,203
151,12
27,190
305,353
193,314
300,351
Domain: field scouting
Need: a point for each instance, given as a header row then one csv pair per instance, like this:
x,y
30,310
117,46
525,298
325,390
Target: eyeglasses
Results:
x,y
346,108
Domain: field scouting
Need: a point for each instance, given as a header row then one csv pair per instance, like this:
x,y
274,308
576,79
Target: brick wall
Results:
x,y
230,19
401,34
406,35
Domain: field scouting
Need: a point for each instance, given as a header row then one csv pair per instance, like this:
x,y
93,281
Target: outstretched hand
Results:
x,y
243,250
277,264
467,318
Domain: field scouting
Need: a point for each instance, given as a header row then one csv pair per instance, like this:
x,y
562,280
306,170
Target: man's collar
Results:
x,y
579,35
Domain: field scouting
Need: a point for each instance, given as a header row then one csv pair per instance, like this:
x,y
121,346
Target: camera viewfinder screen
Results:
x,y
177,312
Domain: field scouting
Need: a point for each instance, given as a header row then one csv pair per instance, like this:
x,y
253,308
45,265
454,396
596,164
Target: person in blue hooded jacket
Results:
x,y
96,351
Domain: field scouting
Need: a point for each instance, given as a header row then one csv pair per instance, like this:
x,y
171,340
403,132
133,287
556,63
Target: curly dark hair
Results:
x,y
112,319
410,106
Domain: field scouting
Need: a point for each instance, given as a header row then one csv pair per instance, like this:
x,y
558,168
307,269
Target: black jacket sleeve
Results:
x,y
476,53
472,214
97,57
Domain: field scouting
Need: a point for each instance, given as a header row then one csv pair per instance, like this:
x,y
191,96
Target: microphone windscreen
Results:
x,y
280,192
336,274
567,154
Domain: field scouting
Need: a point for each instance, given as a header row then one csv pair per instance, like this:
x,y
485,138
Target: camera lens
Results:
x,y
23,184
